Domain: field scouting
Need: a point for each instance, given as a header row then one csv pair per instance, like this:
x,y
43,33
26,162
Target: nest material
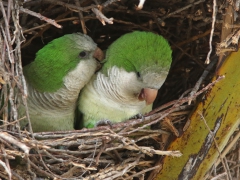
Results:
x,y
128,150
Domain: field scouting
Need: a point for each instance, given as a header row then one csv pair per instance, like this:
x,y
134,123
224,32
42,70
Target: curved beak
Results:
x,y
148,95
98,54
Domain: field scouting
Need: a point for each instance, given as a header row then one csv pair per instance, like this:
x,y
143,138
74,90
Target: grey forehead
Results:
x,y
83,40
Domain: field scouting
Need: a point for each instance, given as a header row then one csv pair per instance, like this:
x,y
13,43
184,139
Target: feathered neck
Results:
x,y
118,86
65,97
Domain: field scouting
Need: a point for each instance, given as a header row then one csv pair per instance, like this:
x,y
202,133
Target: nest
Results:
x,y
128,150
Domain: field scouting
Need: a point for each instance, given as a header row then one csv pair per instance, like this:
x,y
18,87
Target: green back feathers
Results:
x,y
55,60
138,50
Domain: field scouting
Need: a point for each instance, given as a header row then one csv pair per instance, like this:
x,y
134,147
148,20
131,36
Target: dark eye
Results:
x,y
138,74
83,54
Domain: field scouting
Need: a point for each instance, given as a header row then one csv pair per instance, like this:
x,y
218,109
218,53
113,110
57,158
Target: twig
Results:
x,y
182,9
212,31
228,147
38,15
148,137
43,25
16,175
40,170
103,147
119,171
203,76
220,176
81,17
139,26
44,164
28,117
9,50
6,34
223,160
71,6
6,169
12,123
7,137
194,38
140,5
150,151
169,125
6,161
143,172
103,19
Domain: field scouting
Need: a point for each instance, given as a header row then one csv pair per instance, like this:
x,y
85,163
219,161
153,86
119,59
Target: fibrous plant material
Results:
x,y
131,149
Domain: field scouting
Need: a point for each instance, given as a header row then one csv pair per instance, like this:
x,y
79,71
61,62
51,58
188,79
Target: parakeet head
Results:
x,y
55,60
146,54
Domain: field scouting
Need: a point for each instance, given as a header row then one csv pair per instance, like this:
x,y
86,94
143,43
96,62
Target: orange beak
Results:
x,y
148,95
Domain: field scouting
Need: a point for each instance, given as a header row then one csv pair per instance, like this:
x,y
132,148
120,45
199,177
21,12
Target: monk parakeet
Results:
x,y
136,66
55,78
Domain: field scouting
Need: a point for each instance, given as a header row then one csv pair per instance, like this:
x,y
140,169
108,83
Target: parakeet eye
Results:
x,y
138,74
83,54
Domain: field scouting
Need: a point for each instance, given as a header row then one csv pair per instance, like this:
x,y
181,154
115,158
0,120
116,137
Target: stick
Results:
x,y
38,15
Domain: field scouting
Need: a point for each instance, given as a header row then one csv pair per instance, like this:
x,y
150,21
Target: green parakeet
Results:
x,y
136,66
55,78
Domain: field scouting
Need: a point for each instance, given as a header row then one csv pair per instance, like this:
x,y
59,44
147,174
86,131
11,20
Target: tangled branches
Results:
x,y
127,150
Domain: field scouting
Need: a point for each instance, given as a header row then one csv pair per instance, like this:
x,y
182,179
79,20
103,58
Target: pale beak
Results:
x,y
148,95
98,54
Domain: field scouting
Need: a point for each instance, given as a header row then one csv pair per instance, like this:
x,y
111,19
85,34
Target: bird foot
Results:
x,y
138,116
104,122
